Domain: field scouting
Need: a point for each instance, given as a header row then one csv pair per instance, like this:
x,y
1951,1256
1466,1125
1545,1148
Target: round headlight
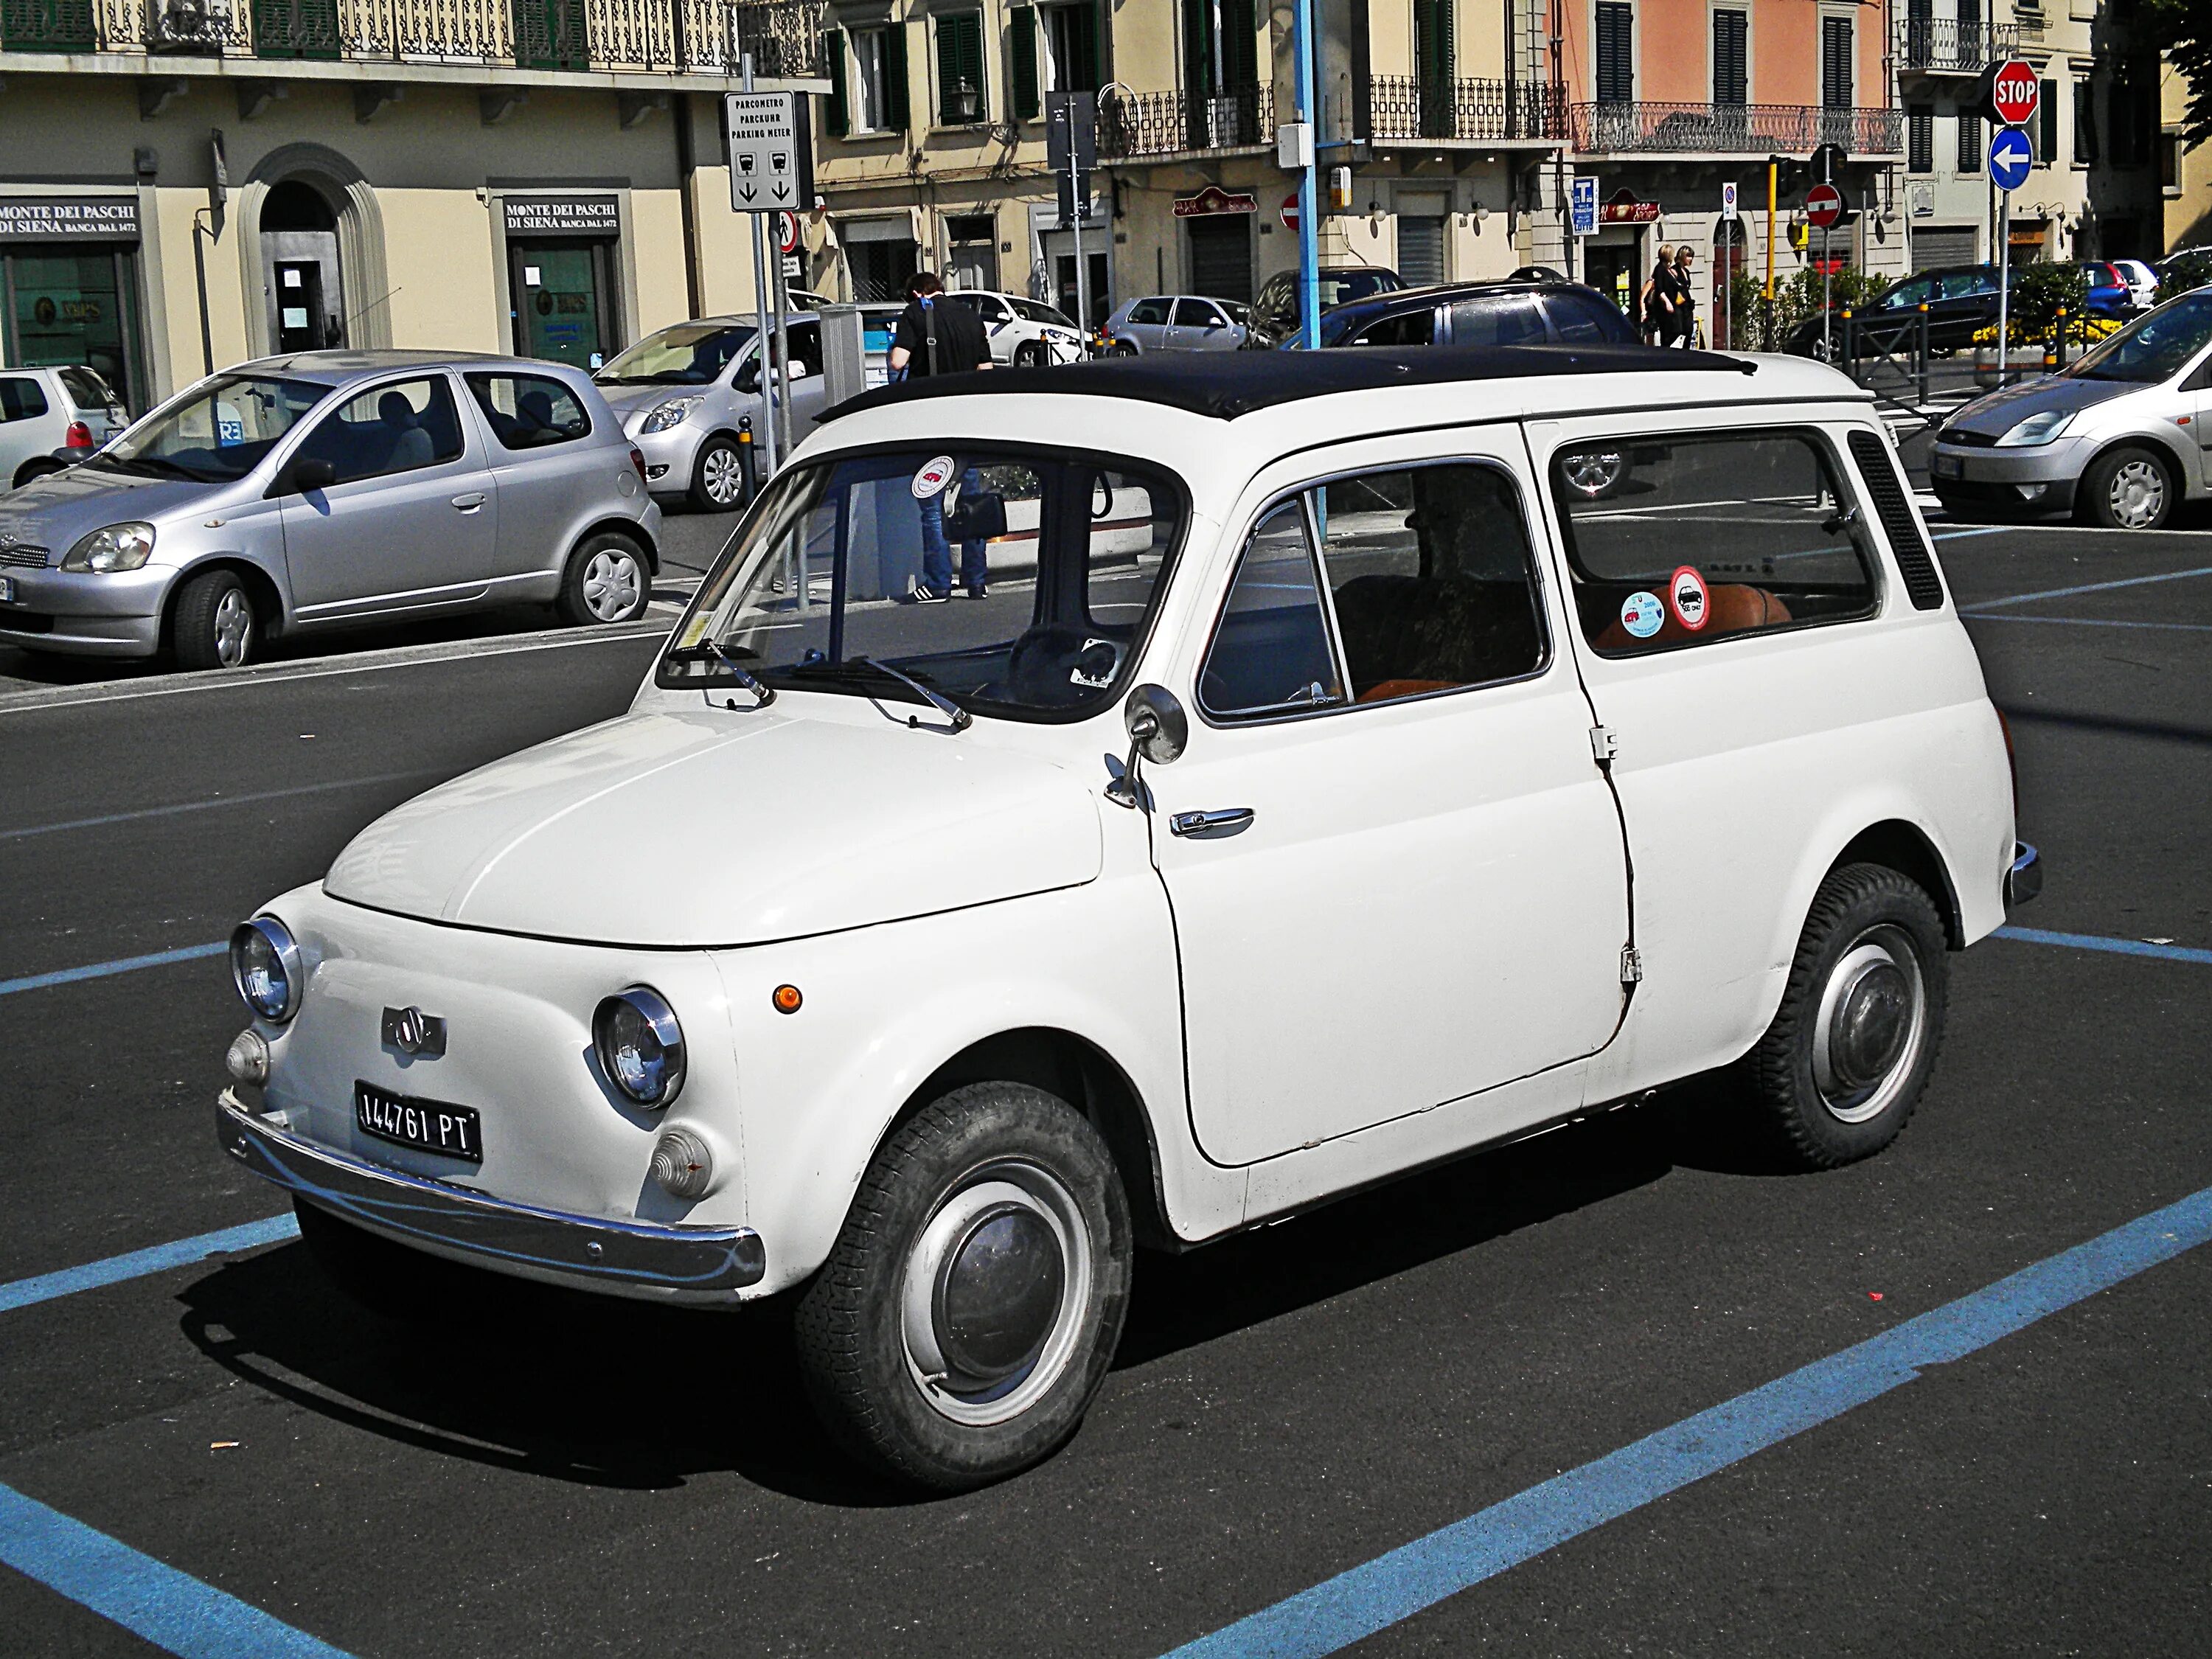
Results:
x,y
640,1046
264,965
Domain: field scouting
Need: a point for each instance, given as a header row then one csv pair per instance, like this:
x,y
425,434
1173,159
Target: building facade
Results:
x,y
185,184
2184,172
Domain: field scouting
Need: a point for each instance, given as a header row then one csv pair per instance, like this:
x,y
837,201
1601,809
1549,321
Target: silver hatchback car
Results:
x,y
330,488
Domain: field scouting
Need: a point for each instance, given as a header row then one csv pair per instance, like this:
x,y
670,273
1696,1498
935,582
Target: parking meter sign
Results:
x,y
2013,92
1824,205
2011,156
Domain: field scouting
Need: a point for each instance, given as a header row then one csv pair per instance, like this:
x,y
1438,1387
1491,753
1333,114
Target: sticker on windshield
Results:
x,y
932,477
1686,592
1095,664
1641,614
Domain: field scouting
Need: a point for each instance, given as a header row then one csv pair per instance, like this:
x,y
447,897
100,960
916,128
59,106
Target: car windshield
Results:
x,y
1037,312
2154,347
835,578
216,434
689,354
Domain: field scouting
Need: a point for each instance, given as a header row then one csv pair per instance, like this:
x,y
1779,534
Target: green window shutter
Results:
x,y
1240,46
1022,43
1097,67
896,112
960,71
1198,47
836,119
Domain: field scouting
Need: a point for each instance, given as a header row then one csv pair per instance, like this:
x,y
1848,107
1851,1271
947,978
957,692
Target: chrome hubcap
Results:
x,y
1872,1022
991,1306
719,473
233,629
612,583
2138,495
1593,473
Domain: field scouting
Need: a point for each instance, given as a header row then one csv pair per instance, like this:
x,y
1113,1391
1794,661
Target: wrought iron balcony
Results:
x,y
1945,45
1133,125
679,37
1734,129
1401,106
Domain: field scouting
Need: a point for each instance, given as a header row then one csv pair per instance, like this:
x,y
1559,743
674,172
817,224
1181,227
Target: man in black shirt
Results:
x,y
935,337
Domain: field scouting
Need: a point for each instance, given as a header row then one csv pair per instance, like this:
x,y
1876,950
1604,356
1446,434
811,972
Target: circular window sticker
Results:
x,y
1686,592
933,476
1641,614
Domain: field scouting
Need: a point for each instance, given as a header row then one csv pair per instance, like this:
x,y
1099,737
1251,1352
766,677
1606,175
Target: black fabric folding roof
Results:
x,y
1227,384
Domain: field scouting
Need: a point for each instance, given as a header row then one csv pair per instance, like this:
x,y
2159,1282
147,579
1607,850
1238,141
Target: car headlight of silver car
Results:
x,y
114,547
640,1045
2036,429
264,965
674,412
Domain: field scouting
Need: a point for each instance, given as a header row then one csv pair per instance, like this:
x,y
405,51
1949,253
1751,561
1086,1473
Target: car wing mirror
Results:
x,y
1215,322
305,473
1158,731
748,378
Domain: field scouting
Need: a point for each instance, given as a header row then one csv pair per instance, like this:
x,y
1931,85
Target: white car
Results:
x,y
51,419
1343,793
1022,332
2141,281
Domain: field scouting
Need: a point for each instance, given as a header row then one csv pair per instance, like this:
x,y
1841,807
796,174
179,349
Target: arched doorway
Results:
x,y
299,268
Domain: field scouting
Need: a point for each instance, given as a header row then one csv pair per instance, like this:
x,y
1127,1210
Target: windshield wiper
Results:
x,y
959,718
763,693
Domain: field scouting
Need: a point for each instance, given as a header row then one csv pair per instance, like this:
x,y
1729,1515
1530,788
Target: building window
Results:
x,y
1920,139
2130,111
867,82
972,252
2169,162
1836,65
1616,52
2085,122
1074,49
960,94
1731,58
2047,113
1969,143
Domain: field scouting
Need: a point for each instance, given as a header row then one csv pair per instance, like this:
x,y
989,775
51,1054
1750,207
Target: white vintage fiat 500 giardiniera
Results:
x,y
1355,758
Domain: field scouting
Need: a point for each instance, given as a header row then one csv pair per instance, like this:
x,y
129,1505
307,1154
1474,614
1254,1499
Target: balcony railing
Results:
x,y
1401,106
697,37
1945,45
1147,123
1734,129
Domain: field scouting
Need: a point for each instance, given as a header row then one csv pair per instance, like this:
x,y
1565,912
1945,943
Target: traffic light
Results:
x,y
1790,175
1826,165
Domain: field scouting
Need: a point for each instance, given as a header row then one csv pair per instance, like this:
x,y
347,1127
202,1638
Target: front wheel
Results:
x,y
717,478
214,625
969,1309
606,582
1850,1049
1031,353
2128,488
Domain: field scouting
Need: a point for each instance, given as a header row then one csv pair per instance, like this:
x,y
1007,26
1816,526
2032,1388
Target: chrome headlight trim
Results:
x,y
646,1062
266,969
113,547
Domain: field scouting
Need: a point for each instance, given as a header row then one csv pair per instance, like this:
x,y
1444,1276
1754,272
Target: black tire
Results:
x,y
1031,353
215,624
2130,488
608,580
1122,350
993,1178
718,481
1851,1048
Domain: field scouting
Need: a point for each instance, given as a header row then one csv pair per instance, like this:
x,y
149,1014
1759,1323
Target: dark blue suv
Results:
x,y
1481,313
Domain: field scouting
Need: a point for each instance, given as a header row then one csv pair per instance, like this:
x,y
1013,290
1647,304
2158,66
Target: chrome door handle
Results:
x,y
1224,821
470,503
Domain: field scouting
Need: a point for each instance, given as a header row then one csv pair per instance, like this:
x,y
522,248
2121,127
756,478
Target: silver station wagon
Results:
x,y
330,488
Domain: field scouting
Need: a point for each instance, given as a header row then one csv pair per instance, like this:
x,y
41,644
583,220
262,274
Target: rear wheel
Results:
x,y
606,581
2126,488
214,625
1031,353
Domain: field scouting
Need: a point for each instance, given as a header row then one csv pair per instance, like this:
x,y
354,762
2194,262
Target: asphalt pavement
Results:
x,y
1623,1388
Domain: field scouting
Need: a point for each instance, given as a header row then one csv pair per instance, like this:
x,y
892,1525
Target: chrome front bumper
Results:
x,y
641,1258
2024,879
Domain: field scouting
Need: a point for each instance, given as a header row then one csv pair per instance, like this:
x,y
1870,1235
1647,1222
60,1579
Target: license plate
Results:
x,y
428,1126
1948,466
7,590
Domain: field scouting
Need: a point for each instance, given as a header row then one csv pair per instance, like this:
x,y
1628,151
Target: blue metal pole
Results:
x,y
1301,53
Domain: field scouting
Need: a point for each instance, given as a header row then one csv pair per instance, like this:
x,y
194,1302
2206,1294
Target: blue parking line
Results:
x,y
159,1258
1985,530
1380,1593
172,1610
2122,947
102,970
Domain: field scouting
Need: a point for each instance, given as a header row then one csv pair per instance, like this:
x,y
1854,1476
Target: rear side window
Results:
x,y
530,412
1507,320
1686,540
1193,314
85,389
1584,320
21,398
400,427
1409,328
1149,310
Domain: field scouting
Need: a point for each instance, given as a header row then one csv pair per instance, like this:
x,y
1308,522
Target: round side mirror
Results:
x,y
1158,728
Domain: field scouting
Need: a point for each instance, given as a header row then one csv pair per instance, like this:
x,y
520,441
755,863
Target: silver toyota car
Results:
x,y
2120,436
329,488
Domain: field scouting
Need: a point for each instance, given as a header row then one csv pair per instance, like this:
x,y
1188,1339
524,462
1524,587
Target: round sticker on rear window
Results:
x,y
1641,614
933,476
1686,592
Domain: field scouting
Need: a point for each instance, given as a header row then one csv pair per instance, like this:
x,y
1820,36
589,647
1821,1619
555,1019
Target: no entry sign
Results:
x,y
1824,205
1291,211
2013,92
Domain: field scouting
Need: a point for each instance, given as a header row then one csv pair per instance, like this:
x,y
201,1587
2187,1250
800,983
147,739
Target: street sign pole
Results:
x,y
1302,49
2010,95
1827,312
2004,283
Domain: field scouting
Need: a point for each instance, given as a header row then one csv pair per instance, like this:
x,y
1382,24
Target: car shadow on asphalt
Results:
x,y
564,1386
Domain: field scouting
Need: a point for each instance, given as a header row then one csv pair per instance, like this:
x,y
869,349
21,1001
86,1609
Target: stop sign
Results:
x,y
1291,211
2013,92
1824,205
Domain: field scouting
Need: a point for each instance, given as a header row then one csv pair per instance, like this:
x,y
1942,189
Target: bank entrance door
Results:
x,y
63,308
563,300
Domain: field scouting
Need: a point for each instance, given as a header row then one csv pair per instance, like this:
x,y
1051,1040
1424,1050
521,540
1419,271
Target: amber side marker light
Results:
x,y
787,998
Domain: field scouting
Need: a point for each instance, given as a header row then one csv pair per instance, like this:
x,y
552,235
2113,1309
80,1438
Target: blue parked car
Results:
x,y
2109,293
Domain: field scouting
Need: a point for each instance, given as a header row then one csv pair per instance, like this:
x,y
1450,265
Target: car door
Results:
x,y
25,429
548,481
1493,319
411,518
1148,322
1396,872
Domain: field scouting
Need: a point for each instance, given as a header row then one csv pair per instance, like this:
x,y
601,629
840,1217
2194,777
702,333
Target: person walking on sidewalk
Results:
x,y
933,338
1658,298
1685,299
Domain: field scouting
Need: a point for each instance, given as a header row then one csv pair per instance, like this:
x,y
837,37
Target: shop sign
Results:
x,y
1214,199
69,218
1622,208
573,215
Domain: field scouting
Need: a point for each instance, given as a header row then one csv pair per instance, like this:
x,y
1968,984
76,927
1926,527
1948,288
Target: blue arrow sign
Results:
x,y
2010,157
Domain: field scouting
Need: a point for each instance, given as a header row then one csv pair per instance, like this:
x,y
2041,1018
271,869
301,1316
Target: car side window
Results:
x,y
529,411
805,349
1583,320
1681,541
1193,314
21,398
398,427
85,389
1410,328
1149,310
1905,296
1512,319
1271,652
